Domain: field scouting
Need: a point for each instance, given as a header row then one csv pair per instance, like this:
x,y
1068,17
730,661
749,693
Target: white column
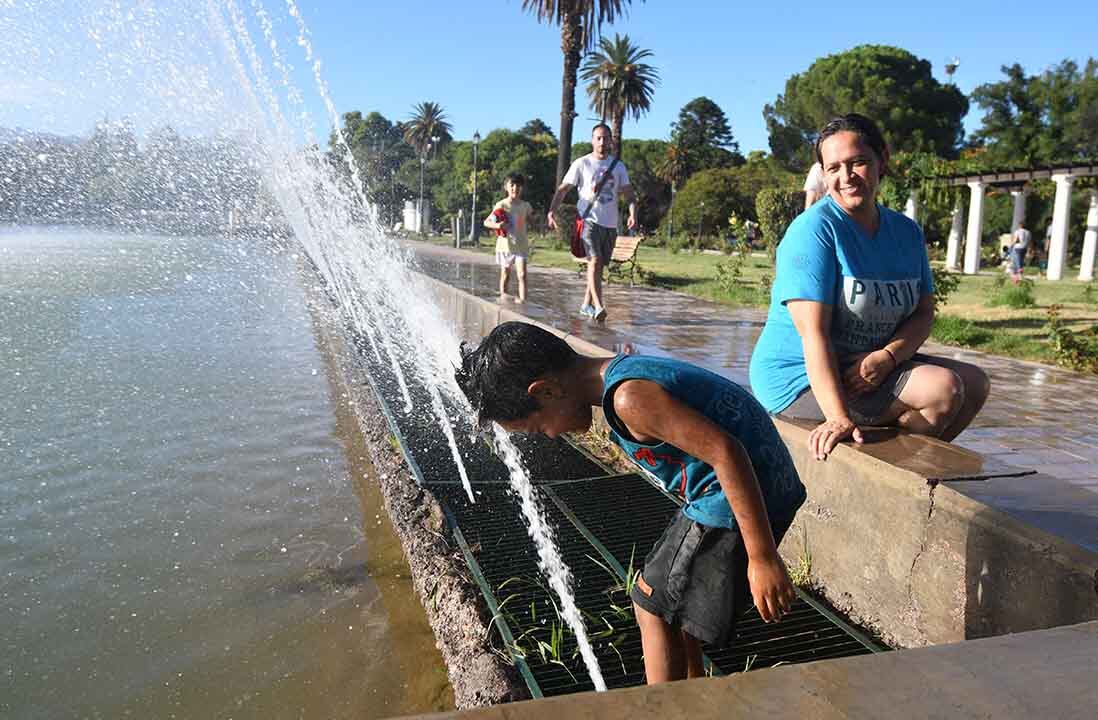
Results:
x,y
1090,240
956,231
911,207
1019,216
975,228
1061,213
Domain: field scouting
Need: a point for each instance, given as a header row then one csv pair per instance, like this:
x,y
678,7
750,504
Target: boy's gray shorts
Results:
x,y
599,241
695,578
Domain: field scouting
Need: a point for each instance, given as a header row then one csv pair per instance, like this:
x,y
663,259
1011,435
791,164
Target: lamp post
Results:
x,y
671,215
701,217
473,217
951,67
604,92
419,209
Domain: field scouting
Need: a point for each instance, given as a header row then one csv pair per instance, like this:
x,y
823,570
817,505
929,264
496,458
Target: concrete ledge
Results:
x,y
892,542
1048,673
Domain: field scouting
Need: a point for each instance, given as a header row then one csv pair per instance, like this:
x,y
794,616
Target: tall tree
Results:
x,y
630,82
704,138
888,84
1040,119
579,22
428,121
536,127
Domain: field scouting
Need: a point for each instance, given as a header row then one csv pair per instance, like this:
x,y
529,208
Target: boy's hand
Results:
x,y
771,587
552,220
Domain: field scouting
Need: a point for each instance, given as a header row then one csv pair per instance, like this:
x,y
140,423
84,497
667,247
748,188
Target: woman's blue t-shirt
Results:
x,y
734,410
871,283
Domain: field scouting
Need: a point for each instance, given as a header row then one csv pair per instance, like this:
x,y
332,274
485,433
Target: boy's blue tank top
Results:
x,y
732,408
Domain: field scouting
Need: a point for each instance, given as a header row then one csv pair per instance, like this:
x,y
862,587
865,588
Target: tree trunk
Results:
x,y
617,121
571,41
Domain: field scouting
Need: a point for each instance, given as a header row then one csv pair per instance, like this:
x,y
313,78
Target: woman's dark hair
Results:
x,y
516,179
860,125
496,376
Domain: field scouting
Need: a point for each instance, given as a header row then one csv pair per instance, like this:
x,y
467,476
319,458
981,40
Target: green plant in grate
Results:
x,y
801,573
394,443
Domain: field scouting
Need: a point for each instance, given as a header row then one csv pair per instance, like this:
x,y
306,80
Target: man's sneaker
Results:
x,y
587,311
600,315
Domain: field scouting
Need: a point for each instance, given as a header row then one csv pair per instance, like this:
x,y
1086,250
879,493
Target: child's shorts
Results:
x,y
695,578
506,259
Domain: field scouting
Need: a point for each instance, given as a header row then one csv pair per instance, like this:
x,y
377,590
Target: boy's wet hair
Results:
x,y
496,376
516,179
861,126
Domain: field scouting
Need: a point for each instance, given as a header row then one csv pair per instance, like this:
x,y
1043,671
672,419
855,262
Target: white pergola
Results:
x,y
1017,181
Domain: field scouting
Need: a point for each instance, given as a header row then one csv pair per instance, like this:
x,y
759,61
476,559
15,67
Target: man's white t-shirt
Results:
x,y
815,180
585,173
1022,238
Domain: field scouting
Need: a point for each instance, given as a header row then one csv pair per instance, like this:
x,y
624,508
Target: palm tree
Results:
x,y
630,83
428,122
577,19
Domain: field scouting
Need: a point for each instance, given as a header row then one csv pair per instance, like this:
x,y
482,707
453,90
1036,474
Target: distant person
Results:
x,y
1046,247
1022,238
602,172
814,186
852,303
510,218
707,440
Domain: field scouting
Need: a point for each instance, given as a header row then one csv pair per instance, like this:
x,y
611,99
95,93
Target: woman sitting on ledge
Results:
x,y
851,305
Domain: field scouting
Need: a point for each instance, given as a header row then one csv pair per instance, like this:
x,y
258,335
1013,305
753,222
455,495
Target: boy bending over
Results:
x,y
706,439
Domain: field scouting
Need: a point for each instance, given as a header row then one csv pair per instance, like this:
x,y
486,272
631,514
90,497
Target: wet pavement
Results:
x,y
1038,417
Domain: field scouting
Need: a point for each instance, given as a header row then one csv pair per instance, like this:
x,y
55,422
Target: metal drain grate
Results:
x,y
601,522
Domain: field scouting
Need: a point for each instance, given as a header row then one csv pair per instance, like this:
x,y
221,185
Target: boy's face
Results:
x,y
514,191
559,413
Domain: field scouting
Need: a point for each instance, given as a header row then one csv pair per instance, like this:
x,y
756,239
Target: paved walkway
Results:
x,y
1038,416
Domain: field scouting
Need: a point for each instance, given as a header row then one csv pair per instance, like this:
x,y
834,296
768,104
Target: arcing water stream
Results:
x,y
157,64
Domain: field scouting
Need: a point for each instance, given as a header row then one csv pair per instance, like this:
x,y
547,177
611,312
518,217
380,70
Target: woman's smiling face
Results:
x,y
852,171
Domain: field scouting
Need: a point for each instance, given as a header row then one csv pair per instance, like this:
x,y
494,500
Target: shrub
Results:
x,y
945,284
1015,295
954,330
776,208
1075,350
677,242
1090,293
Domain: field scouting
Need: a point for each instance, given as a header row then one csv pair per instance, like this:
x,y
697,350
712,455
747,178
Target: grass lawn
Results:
x,y
968,319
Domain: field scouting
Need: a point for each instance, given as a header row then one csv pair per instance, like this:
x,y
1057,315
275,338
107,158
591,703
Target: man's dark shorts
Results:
x,y
695,578
599,241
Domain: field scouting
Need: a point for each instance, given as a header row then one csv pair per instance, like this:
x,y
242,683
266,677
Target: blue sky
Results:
x,y
491,65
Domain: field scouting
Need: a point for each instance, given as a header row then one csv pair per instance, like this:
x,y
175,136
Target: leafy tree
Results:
x,y
888,84
704,203
379,150
580,22
536,127
631,82
643,158
1040,119
428,121
704,137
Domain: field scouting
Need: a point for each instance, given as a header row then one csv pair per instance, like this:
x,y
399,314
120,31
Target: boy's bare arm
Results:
x,y
651,414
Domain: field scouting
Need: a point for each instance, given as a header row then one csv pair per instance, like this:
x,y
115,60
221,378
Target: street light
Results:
x,y
701,216
419,209
951,67
604,90
473,216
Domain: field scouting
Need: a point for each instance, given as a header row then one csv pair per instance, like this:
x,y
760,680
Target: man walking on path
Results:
x,y
600,178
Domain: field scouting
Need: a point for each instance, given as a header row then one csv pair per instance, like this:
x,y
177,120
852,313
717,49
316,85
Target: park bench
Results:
x,y
623,260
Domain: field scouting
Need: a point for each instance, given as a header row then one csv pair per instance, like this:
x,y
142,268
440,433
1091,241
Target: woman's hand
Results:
x,y
829,433
770,587
867,371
